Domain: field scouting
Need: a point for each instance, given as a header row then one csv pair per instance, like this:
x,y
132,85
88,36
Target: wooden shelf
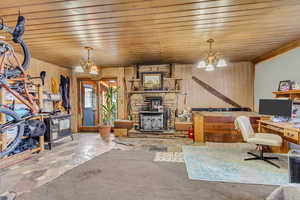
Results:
x,y
154,91
291,94
134,80
173,79
287,92
165,78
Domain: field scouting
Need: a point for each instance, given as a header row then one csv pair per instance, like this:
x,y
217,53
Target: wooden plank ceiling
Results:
x,y
125,32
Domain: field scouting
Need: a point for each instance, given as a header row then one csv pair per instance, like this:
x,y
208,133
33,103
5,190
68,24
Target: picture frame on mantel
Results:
x,y
152,80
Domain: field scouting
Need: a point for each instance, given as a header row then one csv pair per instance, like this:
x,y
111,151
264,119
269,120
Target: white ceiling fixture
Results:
x,y
88,65
212,59
78,69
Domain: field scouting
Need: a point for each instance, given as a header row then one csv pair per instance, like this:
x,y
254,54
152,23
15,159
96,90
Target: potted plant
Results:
x,y
109,107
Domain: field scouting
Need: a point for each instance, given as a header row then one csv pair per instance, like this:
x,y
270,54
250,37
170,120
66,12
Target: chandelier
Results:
x,y
88,65
212,59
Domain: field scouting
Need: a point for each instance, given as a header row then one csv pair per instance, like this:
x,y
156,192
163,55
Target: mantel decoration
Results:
x,y
88,65
212,59
152,80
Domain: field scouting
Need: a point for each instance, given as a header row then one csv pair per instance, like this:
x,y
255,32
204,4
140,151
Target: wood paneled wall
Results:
x,y
52,70
235,82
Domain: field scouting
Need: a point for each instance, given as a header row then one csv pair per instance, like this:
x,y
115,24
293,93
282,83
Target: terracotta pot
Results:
x,y
104,131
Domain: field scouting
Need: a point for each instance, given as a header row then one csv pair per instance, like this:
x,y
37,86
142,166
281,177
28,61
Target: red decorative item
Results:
x,y
191,133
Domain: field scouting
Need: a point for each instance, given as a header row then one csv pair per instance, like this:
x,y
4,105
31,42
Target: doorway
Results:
x,y
91,96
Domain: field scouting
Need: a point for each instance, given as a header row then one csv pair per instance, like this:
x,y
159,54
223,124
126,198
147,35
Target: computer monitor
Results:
x,y
276,107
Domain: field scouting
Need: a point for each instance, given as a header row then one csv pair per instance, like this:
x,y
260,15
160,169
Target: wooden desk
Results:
x,y
286,130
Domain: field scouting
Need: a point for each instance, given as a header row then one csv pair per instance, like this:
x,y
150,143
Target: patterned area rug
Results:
x,y
225,163
169,157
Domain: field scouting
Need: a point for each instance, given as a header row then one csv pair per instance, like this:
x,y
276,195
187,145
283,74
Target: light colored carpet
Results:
x,y
225,163
169,157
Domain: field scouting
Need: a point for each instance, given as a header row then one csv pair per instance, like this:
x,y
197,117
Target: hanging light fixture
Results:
x,y
88,65
212,59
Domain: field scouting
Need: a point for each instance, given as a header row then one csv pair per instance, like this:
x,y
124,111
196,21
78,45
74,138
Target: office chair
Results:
x,y
243,124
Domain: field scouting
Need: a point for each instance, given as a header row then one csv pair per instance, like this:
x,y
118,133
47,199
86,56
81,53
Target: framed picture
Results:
x,y
152,80
284,85
294,85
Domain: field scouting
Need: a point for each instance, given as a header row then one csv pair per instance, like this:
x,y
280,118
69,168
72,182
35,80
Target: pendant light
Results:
x,y
212,59
88,65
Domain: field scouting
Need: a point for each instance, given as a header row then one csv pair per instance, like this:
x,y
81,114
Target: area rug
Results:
x,y
225,163
169,157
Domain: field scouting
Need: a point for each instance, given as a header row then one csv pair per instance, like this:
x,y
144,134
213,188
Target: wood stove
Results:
x,y
151,118
152,121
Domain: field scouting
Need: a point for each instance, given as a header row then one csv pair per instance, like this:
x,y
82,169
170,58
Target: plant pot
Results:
x,y
104,131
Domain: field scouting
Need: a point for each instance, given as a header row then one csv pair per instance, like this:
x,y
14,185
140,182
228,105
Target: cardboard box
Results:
x,y
120,132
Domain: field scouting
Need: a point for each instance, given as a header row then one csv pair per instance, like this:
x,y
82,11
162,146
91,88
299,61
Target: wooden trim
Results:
x,y
287,92
215,92
275,52
198,123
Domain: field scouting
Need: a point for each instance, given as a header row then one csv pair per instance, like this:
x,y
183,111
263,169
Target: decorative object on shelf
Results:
x,y
152,80
212,59
294,85
284,85
87,65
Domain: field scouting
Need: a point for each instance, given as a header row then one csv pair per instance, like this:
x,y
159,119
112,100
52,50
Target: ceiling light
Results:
x,y
88,65
94,70
221,63
201,64
78,69
212,59
209,68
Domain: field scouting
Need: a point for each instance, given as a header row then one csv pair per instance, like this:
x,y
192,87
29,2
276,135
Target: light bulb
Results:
x,y
209,67
201,64
94,70
78,69
221,63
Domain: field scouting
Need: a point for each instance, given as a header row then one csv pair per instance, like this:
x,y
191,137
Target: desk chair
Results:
x,y
243,124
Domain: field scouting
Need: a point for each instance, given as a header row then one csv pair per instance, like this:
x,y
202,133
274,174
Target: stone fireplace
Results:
x,y
163,118
153,110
